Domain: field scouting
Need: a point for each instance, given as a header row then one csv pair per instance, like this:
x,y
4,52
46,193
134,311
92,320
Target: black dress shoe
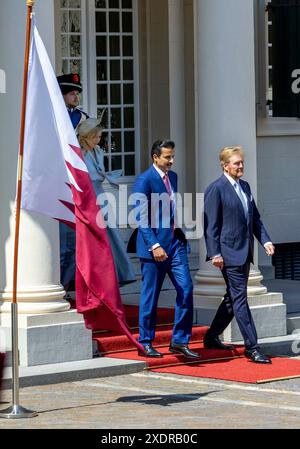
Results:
x,y
149,351
215,343
256,356
183,349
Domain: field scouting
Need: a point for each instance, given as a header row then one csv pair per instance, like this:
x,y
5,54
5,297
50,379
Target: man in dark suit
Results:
x,y
162,250
231,220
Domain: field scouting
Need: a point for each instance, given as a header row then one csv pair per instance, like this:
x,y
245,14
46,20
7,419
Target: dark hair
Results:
x,y
159,144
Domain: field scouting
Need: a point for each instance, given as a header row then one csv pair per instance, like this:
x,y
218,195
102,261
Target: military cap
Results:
x,y
69,82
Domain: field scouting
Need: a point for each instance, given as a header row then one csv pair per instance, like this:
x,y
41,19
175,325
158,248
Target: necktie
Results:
x,y
238,190
170,193
168,185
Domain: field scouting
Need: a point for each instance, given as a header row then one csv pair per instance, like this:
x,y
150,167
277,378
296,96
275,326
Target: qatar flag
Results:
x,y
56,183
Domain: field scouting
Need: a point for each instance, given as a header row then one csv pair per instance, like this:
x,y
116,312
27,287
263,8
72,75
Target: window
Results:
x,y
278,66
71,36
115,81
283,31
286,261
98,38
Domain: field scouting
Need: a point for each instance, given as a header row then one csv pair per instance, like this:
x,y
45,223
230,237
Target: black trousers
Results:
x,y
235,304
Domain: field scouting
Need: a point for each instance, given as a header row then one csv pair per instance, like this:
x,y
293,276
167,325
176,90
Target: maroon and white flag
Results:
x,y
56,183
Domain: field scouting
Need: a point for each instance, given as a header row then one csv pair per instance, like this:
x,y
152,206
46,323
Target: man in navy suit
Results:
x,y
162,249
231,220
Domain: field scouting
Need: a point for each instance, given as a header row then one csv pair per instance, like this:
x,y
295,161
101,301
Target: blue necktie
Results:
x,y
238,190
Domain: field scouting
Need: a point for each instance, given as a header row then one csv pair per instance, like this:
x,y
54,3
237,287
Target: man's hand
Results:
x,y
270,249
218,262
159,254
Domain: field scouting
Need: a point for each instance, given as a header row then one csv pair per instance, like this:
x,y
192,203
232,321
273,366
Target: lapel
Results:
x,y
231,191
158,178
246,191
172,179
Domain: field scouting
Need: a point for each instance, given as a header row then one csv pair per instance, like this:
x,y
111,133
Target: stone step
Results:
x,y
293,322
287,345
71,371
290,290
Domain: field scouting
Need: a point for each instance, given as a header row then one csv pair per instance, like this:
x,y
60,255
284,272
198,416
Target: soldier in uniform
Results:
x,y
71,88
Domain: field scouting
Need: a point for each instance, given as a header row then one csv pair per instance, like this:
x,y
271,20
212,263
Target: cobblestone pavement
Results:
x,y
158,401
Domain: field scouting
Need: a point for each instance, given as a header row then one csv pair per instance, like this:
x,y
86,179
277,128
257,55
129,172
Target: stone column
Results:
x,y
39,289
177,87
46,325
226,116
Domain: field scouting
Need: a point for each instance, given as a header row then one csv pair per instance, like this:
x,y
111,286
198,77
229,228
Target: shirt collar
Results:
x,y
230,179
159,171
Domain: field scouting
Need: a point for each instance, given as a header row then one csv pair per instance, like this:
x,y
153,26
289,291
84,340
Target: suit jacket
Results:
x,y
147,235
226,229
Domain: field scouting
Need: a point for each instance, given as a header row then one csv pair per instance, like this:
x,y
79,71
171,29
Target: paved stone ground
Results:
x,y
159,401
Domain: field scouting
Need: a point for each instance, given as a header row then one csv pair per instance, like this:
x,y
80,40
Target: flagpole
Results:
x,y
16,411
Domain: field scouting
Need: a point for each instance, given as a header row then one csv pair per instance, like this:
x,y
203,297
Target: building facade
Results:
x,y
197,71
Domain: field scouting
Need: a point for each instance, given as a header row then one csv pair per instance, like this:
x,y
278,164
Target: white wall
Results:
x,y
278,167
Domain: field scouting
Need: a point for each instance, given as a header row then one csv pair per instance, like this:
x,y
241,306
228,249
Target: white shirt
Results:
x,y
233,182
159,171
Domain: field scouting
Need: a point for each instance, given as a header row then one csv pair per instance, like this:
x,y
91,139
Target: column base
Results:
x,y
49,338
268,311
46,299
211,283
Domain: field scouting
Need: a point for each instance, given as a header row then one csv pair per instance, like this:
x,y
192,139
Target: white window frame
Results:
x,y
267,126
88,49
58,56
92,97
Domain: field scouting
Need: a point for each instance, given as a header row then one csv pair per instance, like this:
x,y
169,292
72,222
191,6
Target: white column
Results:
x,y
177,86
39,290
226,107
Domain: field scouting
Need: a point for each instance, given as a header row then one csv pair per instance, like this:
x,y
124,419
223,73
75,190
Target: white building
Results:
x,y
197,71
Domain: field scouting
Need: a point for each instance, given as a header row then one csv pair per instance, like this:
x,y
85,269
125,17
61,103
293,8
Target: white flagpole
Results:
x,y
16,411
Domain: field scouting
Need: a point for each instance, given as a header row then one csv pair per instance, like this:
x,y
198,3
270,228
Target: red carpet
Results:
x,y
238,370
215,364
